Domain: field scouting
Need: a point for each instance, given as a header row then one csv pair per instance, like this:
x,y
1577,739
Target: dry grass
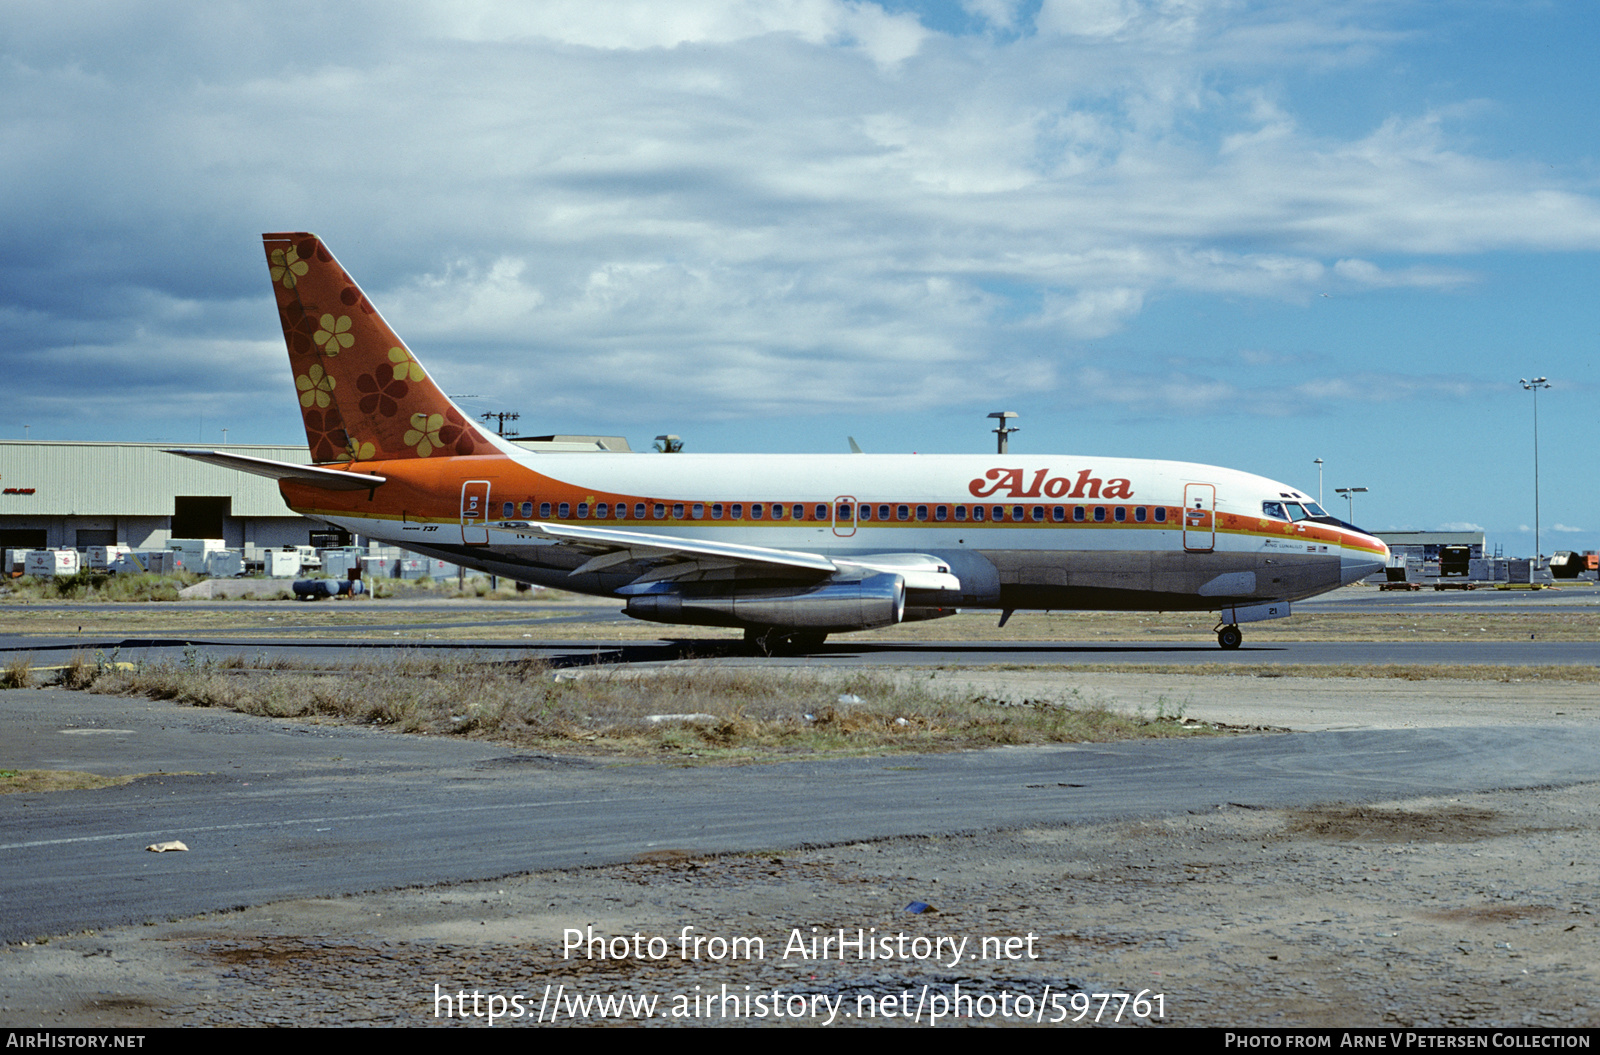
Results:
x,y
96,586
20,781
721,714
18,674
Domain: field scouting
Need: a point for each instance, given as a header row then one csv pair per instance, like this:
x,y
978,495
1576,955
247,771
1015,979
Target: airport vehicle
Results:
x,y
789,548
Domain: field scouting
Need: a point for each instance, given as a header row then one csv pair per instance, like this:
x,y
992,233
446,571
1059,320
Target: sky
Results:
x,y
1241,232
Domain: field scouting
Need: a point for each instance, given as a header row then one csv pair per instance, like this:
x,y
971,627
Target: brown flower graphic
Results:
x,y
381,397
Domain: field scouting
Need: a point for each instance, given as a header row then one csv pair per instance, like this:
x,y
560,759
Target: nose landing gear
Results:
x,y
1229,637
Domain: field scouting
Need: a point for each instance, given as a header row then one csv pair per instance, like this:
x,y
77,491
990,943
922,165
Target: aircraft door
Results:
x,y
475,512
1199,518
844,516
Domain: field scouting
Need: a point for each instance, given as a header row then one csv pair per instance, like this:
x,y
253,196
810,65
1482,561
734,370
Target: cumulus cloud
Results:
x,y
722,207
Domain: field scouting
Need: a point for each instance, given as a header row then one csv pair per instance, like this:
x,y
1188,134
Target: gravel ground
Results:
x,y
1476,910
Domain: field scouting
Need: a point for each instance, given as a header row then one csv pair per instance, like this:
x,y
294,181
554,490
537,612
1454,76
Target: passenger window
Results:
x,y
677,510
799,512
583,510
1161,514
1099,513
1017,513
883,512
736,511
544,510
602,510
566,510
527,510
757,511
977,513
997,514
778,511
1138,514
941,512
866,512
716,510
659,510
821,512
1038,514
902,512
961,514
1121,513
1077,514
509,510
922,512
1058,514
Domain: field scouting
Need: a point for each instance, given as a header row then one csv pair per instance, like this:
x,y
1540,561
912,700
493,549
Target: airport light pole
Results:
x,y
1350,500
1534,386
1318,463
1003,431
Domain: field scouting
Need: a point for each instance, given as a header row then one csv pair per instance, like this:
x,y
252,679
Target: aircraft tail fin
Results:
x,y
363,395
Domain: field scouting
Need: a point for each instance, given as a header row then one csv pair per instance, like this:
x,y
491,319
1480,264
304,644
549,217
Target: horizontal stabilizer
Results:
x,y
327,479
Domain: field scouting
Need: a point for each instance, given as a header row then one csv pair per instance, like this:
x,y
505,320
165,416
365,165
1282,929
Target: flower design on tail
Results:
x,y
287,267
380,396
334,334
406,367
316,387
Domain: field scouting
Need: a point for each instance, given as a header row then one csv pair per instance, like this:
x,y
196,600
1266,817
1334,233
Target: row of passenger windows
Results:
x,y
823,511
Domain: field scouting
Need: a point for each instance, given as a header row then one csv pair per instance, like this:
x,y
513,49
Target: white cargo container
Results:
x,y
225,563
192,552
46,563
101,558
337,563
280,563
425,567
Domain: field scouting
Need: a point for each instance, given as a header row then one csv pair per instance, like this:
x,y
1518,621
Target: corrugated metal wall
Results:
x,y
129,479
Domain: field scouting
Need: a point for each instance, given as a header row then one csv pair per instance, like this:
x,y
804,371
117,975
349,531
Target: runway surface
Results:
x,y
273,810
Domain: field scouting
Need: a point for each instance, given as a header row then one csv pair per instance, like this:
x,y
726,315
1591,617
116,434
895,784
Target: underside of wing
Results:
x,y
676,558
673,558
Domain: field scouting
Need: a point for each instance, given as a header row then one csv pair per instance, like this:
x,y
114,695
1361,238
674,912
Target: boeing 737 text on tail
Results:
x,y
788,548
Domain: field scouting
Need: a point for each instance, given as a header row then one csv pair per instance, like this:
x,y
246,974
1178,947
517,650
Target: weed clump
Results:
x,y
688,713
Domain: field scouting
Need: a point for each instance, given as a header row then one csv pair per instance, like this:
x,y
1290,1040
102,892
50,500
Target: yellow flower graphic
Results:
x,y
406,367
334,334
424,433
316,387
287,267
357,451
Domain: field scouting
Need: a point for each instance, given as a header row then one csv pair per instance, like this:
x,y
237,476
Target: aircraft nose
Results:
x,y
1367,556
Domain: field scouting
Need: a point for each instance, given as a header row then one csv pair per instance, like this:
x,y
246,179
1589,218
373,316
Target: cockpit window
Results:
x,y
1315,510
1296,511
1274,510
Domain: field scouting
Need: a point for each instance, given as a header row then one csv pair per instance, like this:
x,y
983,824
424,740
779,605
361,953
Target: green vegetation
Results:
x,y
95,586
700,713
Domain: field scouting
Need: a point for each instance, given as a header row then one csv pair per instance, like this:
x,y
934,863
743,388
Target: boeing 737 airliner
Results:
x,y
788,548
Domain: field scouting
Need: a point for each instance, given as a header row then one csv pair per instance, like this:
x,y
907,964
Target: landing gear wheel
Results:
x,y
1230,637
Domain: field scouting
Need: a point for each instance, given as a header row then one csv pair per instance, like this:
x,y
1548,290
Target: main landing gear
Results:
x,y
770,641
1229,636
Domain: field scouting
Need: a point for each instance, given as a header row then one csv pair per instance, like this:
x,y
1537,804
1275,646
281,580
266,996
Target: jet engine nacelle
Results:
x,y
832,607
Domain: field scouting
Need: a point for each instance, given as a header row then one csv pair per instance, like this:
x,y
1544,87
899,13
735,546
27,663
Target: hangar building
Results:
x,y
76,495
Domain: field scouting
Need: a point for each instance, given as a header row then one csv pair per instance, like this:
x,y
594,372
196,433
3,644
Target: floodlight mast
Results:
x,y
1002,431
1533,386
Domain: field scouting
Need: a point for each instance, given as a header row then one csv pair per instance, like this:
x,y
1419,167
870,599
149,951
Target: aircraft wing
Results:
x,y
327,479
677,557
